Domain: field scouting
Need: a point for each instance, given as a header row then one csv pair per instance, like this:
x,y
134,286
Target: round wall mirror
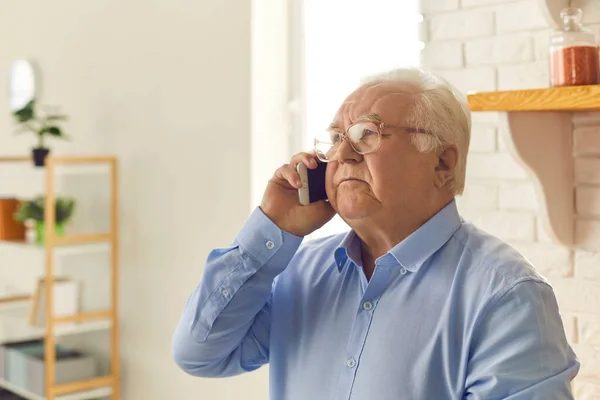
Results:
x,y
21,84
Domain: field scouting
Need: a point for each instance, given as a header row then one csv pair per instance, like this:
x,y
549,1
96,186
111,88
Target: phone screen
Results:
x,y
316,182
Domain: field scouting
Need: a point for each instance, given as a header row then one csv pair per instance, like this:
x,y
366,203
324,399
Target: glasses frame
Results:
x,y
380,127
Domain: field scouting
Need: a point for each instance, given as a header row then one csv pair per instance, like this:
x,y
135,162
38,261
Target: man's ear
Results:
x,y
447,158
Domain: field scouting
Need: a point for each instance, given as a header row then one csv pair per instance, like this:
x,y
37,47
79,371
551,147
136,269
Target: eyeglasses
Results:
x,y
363,136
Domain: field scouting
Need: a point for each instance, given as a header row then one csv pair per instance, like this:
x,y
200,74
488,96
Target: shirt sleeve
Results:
x,y
225,327
520,351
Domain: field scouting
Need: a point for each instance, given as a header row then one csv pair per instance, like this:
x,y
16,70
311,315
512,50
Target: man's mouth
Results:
x,y
350,180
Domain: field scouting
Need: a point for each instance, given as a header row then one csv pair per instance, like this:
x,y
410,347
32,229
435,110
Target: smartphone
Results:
x,y
313,183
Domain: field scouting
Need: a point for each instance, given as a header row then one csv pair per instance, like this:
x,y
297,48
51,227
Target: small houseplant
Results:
x,y
33,210
28,120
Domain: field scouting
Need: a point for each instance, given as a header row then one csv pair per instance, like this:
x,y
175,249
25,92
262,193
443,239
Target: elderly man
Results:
x,y
412,303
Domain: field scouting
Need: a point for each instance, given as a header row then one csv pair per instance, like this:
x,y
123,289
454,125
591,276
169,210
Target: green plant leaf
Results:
x,y
57,118
34,209
26,113
52,131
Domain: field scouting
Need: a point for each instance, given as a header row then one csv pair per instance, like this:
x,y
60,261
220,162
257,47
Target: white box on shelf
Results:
x,y
65,300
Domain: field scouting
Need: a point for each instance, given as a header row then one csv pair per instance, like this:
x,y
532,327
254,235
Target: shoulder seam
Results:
x,y
495,267
495,299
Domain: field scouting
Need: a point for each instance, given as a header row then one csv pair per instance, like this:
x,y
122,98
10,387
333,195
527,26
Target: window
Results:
x,y
344,40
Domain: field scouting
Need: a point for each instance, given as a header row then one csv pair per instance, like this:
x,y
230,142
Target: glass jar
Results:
x,y
573,52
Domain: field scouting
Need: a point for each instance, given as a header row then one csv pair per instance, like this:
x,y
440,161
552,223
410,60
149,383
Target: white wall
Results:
x,y
486,45
164,85
271,92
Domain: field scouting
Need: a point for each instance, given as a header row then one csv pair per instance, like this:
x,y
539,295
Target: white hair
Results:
x,y
438,108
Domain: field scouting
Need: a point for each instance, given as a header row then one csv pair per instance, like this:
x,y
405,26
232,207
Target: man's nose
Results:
x,y
346,153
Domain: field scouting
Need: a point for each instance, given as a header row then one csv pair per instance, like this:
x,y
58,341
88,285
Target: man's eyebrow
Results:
x,y
370,117
367,117
333,126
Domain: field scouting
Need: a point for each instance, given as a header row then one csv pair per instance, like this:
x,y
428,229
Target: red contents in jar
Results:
x,y
573,66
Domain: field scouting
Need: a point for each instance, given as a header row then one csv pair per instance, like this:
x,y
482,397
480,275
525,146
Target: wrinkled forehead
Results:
x,y
390,101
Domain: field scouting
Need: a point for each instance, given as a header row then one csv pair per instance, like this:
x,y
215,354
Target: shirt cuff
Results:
x,y
263,240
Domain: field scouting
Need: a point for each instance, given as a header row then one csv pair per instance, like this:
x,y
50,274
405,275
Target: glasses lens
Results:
x,y
364,136
324,147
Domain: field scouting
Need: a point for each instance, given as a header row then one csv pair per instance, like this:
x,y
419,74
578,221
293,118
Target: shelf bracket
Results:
x,y
541,141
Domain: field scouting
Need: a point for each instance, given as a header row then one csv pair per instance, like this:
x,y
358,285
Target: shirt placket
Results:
x,y
360,329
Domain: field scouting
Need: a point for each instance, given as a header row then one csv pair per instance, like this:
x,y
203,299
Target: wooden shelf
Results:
x,y
68,240
572,98
15,327
64,249
87,238
72,160
538,132
82,395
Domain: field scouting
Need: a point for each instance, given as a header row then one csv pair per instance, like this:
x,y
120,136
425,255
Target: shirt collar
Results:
x,y
413,251
349,249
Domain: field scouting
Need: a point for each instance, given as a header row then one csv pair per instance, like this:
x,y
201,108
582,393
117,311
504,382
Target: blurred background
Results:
x,y
196,104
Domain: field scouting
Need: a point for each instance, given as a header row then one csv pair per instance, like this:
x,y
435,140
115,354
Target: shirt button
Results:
x,y
367,305
270,244
351,363
225,293
403,271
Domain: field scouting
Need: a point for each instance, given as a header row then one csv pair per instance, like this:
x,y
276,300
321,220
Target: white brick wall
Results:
x,y
577,295
518,196
522,15
588,328
591,13
464,24
590,118
543,236
472,78
587,265
586,390
479,197
443,55
500,50
478,3
586,139
490,45
512,226
439,5
550,260
494,166
483,139
587,170
588,201
587,234
533,74
485,118
590,362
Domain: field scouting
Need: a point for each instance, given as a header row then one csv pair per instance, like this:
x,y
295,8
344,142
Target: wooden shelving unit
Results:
x,y
538,132
15,326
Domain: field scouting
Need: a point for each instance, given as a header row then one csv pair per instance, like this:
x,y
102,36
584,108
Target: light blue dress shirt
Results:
x,y
449,313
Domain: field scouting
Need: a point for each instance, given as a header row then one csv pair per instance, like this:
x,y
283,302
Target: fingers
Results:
x,y
288,172
323,209
307,159
290,175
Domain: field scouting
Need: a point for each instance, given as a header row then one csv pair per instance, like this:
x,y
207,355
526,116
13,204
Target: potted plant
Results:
x,y
33,210
28,120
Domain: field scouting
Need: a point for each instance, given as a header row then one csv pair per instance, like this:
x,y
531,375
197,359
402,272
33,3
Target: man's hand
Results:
x,y
280,202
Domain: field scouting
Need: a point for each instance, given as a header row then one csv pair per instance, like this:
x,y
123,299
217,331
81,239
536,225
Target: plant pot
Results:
x,y
39,156
40,230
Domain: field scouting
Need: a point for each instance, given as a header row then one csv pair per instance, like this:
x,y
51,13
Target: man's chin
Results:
x,y
355,210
